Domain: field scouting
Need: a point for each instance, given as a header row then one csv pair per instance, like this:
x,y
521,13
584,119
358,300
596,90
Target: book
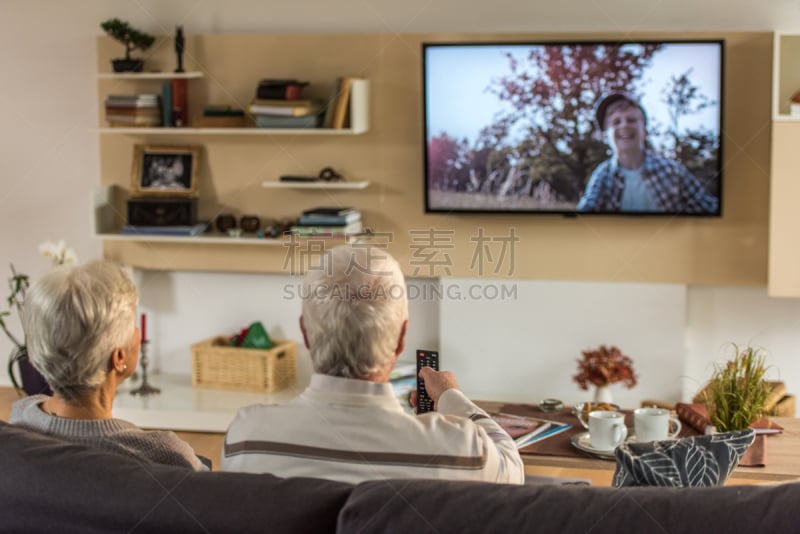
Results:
x,y
276,121
143,100
342,103
285,108
280,89
196,229
518,426
556,427
338,230
525,430
180,102
282,103
329,210
328,220
331,104
166,104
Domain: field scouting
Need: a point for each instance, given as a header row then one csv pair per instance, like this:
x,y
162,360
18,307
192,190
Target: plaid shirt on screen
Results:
x,y
673,187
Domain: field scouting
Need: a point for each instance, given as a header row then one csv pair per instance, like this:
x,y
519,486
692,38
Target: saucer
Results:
x,y
583,442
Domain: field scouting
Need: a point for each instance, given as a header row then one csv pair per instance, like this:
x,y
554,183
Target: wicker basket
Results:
x,y
217,365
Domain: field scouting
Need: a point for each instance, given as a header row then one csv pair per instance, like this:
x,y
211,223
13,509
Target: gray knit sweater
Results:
x,y
110,434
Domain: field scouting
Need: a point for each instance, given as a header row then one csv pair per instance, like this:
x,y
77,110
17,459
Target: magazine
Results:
x,y
526,430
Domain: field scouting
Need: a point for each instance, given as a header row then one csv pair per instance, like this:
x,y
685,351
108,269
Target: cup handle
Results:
x,y
579,415
620,433
677,423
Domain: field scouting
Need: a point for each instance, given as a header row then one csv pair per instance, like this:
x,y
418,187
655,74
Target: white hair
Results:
x,y
74,317
354,307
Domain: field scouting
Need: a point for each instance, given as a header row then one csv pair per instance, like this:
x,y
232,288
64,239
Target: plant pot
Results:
x,y
32,382
127,65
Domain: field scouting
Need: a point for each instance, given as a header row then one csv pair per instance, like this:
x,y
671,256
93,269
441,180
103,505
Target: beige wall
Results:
x,y
731,250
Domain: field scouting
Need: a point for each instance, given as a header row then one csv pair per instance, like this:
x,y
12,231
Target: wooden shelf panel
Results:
x,y
150,75
194,239
271,184
228,131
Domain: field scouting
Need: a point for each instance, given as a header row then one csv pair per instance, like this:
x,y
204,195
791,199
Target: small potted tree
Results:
x,y
132,39
738,390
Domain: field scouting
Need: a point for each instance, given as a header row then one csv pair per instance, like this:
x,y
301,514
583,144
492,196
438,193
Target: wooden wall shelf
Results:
x,y
149,75
273,184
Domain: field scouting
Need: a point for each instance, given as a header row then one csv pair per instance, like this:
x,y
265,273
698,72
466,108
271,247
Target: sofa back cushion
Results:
x,y
47,485
438,506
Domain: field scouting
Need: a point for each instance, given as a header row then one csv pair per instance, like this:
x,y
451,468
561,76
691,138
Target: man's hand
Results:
x,y
436,383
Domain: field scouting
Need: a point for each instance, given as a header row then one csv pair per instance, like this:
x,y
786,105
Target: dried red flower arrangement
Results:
x,y
604,366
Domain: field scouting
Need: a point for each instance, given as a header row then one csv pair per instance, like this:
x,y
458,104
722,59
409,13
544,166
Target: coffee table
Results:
x,y
783,458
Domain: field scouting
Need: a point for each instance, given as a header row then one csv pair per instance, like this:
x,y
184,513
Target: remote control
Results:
x,y
425,358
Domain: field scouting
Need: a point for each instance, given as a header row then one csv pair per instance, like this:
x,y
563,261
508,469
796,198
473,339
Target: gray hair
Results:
x,y
354,307
74,317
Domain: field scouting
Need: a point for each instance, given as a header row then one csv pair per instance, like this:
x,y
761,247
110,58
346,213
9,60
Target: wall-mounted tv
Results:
x,y
574,127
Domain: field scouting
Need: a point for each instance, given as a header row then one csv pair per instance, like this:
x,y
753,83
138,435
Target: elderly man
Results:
x,y
348,425
635,179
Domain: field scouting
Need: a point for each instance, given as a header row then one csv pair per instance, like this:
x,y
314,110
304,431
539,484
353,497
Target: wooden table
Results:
x,y
783,453
783,459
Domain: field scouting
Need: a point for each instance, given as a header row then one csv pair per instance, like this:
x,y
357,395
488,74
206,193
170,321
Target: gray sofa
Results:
x,y
50,486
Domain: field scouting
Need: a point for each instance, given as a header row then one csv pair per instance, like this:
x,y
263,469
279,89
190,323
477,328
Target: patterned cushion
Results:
x,y
696,461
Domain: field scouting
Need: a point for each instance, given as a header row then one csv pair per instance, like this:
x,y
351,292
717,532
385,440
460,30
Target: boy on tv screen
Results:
x,y
581,127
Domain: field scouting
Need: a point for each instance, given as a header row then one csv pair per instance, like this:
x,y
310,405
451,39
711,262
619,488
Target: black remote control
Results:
x,y
425,358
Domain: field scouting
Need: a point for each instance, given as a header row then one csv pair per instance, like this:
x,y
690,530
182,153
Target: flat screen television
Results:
x,y
630,128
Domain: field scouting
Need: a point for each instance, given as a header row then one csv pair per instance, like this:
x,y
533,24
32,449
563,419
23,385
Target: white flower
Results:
x,y
58,253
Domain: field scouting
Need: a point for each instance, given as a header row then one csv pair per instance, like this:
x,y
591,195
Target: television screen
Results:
x,y
573,127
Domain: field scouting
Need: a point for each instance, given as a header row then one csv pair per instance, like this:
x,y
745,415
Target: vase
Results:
x,y
603,394
33,383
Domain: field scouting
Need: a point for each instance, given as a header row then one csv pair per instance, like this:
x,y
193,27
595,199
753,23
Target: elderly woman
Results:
x,y
81,334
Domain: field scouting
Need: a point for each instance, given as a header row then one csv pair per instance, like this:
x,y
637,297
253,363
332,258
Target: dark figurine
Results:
x,y
225,222
179,42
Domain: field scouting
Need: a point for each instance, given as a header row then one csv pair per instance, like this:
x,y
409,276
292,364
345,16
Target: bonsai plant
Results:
x,y
736,394
132,39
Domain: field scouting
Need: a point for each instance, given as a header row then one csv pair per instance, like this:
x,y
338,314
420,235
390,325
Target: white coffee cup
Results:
x,y
606,429
652,424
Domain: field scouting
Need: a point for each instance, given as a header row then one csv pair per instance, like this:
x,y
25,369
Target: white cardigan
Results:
x,y
355,430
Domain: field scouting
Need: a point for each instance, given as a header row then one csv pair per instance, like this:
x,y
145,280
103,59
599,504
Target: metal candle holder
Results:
x,y
145,388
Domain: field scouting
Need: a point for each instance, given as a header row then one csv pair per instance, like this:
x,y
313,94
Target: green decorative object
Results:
x,y
737,392
132,39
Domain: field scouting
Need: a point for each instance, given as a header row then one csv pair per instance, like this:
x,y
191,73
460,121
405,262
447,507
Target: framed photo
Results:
x,y
165,170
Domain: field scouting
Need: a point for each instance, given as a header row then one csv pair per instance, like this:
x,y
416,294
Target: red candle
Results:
x,y
144,328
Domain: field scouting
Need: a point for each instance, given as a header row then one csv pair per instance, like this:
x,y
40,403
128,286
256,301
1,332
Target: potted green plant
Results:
x,y
132,39
736,394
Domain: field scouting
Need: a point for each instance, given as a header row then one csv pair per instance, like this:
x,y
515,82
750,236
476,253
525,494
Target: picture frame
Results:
x,y
168,171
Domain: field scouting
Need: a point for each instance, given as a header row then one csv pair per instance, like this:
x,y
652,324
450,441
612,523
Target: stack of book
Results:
x,y
133,110
280,104
328,222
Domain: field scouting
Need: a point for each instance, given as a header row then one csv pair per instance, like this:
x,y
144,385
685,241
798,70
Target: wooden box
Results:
x,y
215,364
